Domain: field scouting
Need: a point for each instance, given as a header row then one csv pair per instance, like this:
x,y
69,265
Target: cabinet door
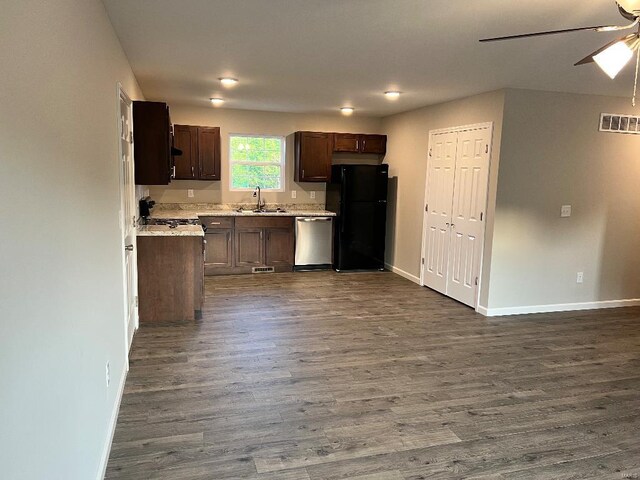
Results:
x,y
313,157
186,139
209,153
346,143
249,247
219,248
279,249
373,144
152,143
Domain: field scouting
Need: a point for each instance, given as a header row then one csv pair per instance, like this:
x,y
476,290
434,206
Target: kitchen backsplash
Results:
x,y
234,206
215,193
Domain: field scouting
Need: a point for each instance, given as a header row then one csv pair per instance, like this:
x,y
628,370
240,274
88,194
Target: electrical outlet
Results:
x,y
294,194
312,195
565,211
580,277
146,192
190,193
108,373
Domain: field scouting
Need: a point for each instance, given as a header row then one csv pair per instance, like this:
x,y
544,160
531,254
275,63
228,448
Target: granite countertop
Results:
x,y
193,211
166,231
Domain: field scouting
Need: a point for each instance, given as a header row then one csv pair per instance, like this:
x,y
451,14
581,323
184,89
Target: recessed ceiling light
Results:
x,y
228,81
217,101
392,94
347,110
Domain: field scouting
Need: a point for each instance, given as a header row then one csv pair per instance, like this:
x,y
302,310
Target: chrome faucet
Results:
x,y
256,193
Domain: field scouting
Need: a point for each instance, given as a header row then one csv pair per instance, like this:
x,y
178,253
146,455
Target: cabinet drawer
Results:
x,y
217,222
264,222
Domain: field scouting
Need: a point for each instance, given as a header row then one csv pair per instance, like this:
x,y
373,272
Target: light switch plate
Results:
x,y
294,194
312,195
565,211
580,277
190,193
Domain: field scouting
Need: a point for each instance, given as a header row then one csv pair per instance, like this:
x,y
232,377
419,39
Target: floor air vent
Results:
x,y
617,123
263,270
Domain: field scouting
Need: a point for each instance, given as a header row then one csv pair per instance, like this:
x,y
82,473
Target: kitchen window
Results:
x,y
256,160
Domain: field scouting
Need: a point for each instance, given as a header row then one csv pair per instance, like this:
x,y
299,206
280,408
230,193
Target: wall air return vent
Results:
x,y
617,123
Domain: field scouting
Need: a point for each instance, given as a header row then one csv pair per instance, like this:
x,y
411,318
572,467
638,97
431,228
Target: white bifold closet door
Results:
x,y
457,181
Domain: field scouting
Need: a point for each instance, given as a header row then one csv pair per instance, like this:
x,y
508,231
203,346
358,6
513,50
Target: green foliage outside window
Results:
x,y
256,161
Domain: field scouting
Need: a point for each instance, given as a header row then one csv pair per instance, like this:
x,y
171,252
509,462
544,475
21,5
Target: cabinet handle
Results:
x,y
357,144
215,223
303,173
173,172
192,170
364,142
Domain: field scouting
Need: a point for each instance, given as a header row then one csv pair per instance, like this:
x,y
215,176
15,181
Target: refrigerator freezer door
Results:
x,y
364,183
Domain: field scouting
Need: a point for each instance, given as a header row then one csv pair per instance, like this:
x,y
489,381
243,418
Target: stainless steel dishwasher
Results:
x,y
314,243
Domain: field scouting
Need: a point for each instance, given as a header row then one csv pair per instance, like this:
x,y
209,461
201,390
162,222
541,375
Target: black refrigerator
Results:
x,y
358,196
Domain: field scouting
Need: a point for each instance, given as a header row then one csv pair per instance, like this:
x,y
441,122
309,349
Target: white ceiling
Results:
x,y
318,55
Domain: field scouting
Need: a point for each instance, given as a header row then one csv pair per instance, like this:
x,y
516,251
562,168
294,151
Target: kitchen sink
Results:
x,y
262,210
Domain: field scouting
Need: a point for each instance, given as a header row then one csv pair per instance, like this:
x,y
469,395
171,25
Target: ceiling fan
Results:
x,y
613,56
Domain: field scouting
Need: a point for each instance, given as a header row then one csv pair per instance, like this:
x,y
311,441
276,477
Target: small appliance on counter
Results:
x,y
145,205
358,196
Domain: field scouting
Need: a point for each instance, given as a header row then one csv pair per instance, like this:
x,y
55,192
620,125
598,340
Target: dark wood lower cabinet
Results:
x,y
249,247
237,245
170,278
219,248
279,247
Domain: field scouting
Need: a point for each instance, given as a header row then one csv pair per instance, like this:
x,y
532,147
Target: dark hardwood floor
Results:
x,y
311,376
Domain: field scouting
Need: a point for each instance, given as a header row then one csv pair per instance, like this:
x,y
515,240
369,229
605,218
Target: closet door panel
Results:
x,y
467,222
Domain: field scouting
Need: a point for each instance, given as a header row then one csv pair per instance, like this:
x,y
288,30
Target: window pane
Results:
x,y
250,176
245,150
272,144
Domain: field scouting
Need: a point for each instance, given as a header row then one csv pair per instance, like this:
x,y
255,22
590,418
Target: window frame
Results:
x,y
283,162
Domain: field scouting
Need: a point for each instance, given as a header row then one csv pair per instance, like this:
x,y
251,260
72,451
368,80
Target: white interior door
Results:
x,y
467,223
438,209
128,217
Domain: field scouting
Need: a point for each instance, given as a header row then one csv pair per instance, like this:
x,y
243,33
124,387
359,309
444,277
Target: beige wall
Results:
x,y
553,155
407,156
266,123
61,281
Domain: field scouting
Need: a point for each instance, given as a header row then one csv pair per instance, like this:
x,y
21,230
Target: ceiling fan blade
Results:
x,y
539,34
589,58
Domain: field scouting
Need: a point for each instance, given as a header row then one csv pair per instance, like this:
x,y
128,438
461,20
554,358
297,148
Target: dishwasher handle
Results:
x,y
313,219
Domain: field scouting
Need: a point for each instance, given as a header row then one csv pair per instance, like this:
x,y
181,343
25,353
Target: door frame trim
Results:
x,y
461,128
121,95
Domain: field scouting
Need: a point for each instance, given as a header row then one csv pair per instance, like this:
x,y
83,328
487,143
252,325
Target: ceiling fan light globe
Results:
x,y
613,59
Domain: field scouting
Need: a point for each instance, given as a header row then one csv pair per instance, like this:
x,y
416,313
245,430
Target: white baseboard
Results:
x,y
562,307
102,469
402,273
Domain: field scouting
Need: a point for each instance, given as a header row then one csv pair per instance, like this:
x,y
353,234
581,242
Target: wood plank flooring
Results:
x,y
325,376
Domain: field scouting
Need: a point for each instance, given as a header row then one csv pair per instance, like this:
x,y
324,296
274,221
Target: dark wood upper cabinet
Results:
x,y
359,143
346,143
152,138
376,144
313,156
186,139
209,153
200,159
